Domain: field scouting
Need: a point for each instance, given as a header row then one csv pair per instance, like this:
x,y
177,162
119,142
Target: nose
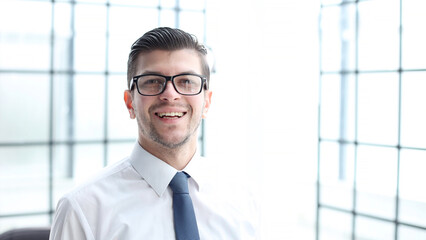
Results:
x,y
169,93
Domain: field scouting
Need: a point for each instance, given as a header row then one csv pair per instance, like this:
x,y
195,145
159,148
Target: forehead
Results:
x,y
169,62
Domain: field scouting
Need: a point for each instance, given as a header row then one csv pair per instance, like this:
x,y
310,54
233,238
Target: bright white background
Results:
x,y
263,116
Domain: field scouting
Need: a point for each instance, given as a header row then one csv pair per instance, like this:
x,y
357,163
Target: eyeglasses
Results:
x,y
155,84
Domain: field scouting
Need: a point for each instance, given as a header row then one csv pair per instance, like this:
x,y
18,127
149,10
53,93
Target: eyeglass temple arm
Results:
x,y
132,82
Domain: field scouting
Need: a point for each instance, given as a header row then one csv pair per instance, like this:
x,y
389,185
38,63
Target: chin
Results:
x,y
173,143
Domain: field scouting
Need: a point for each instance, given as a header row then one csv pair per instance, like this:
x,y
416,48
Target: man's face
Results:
x,y
169,119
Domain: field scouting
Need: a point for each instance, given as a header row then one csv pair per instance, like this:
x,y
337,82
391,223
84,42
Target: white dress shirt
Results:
x,y
131,200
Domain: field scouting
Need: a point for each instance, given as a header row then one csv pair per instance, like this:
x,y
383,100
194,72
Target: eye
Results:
x,y
150,81
187,81
184,81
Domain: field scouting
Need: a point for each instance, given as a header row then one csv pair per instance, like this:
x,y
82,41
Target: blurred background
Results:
x,y
320,103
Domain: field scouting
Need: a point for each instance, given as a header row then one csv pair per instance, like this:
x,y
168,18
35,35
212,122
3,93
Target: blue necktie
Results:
x,y
183,210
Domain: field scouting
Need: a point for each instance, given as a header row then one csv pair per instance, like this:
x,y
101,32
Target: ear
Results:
x,y
128,100
207,102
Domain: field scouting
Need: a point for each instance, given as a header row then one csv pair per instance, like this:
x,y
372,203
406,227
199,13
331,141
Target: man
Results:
x,y
145,196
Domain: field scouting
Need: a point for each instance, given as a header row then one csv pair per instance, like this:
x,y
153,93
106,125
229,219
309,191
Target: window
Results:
x,y
372,144
62,77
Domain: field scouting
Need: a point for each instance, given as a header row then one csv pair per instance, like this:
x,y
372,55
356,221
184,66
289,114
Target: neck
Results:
x,y
177,157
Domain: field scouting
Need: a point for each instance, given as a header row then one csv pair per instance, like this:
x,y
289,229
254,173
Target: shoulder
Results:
x,y
104,182
76,210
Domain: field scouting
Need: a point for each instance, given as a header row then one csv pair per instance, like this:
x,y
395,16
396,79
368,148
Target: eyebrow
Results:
x,y
159,73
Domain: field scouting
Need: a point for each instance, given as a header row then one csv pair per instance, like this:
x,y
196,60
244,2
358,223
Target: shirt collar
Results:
x,y
153,170
158,174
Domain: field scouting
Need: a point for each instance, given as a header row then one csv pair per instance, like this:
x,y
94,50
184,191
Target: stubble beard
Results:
x,y
152,133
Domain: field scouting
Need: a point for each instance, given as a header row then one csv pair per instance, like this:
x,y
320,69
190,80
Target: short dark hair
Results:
x,y
169,39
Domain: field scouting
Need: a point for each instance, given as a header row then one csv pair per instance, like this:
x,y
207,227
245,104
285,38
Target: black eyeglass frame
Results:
x,y
135,79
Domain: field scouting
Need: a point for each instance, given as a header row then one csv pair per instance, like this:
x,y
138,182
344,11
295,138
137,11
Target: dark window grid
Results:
x,y
64,72
356,143
108,4
109,73
355,214
70,143
66,142
372,71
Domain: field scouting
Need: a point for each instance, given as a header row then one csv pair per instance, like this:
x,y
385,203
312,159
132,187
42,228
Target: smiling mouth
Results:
x,y
171,115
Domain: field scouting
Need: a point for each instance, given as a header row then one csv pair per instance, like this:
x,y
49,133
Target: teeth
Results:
x,y
170,114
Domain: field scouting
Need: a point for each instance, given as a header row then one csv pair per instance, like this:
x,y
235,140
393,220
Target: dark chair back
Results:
x,y
26,234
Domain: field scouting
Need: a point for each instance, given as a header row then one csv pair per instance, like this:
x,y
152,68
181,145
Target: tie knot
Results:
x,y
179,183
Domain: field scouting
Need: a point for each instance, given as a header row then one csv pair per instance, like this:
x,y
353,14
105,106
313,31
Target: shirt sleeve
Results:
x,y
69,222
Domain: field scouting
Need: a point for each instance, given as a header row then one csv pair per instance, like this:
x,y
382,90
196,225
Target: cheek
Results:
x,y
142,105
197,105
140,111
